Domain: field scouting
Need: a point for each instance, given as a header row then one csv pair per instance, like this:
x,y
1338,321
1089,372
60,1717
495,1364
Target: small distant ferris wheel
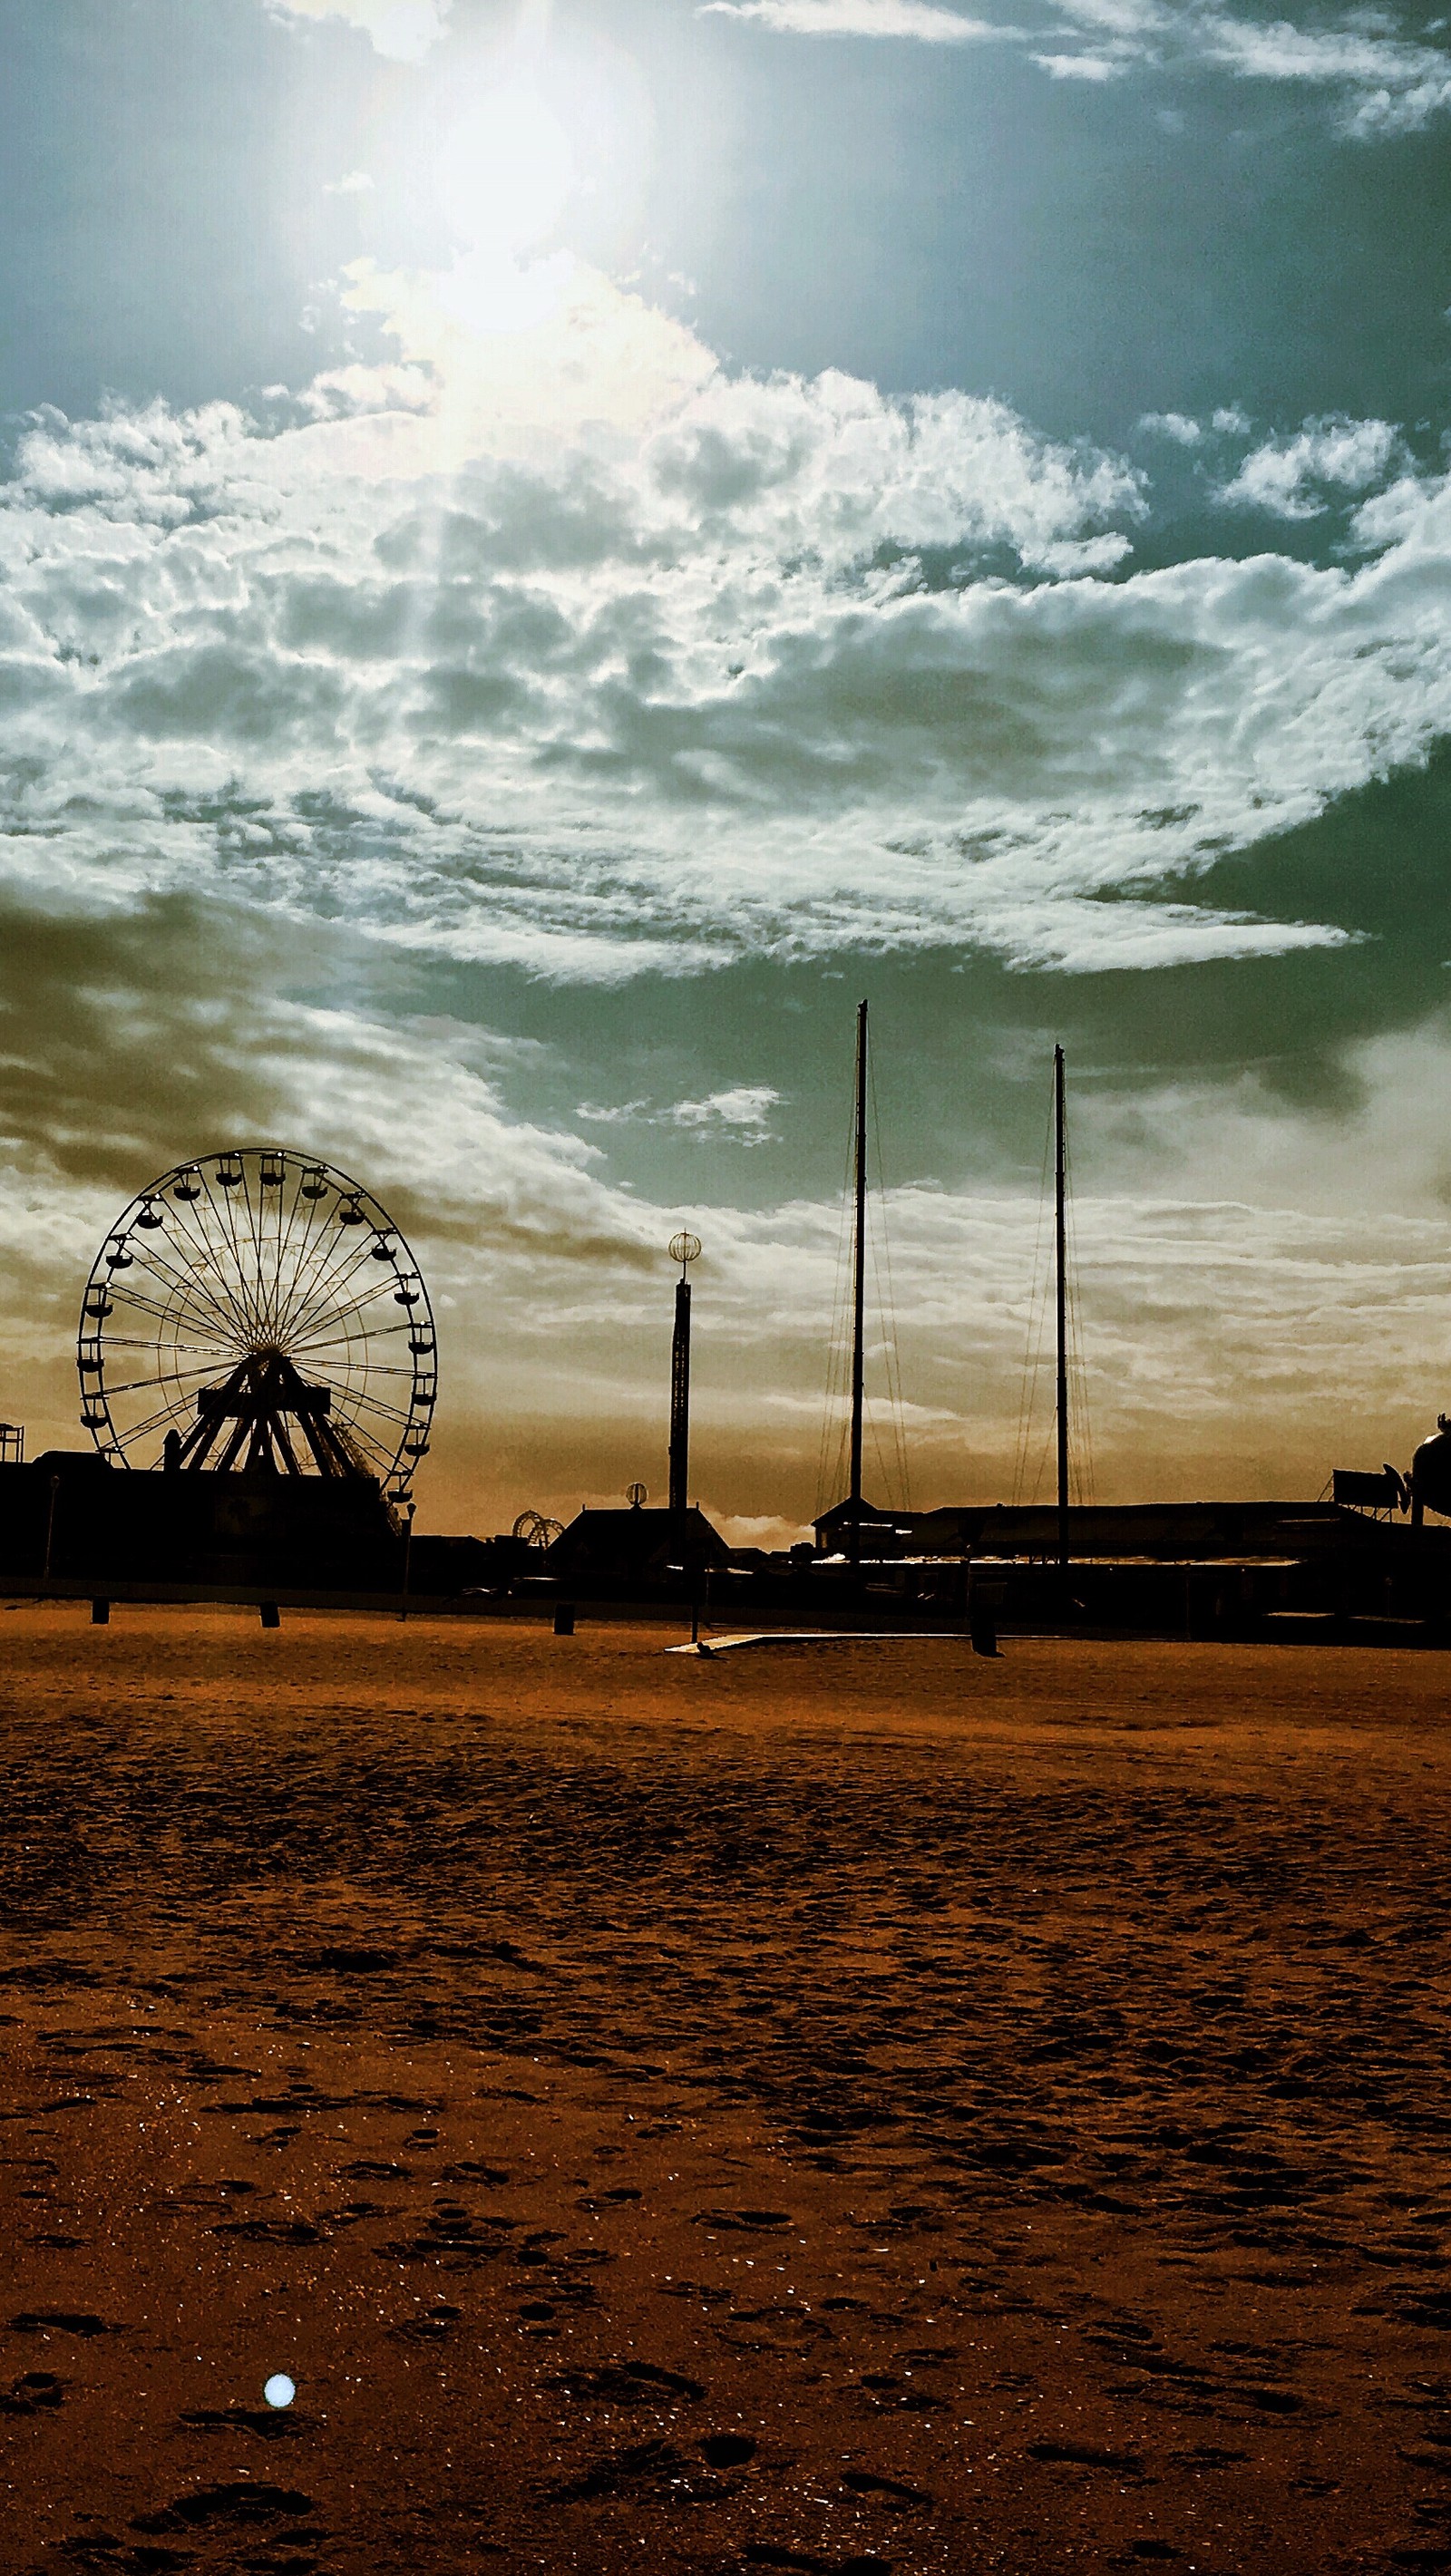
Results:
x,y
259,1310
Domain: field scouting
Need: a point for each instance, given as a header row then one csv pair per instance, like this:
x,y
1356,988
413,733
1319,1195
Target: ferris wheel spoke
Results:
x,y
375,1368
225,1217
174,1310
318,1248
333,1263
383,1452
385,1412
364,1312
354,1407
342,1266
356,1399
257,1228
330,1255
251,1236
186,1275
285,1235
207,1249
165,1414
197,1243
274,1219
220,1360
200,1278
351,1315
312,1246
264,1220
162,1377
361,1342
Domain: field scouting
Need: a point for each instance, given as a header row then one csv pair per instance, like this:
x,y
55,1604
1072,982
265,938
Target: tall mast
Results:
x,y
684,1248
859,1282
680,1399
1060,1239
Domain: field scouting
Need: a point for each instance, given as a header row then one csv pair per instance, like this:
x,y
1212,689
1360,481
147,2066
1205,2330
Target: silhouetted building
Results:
x,y
834,1529
69,1515
635,1552
442,1568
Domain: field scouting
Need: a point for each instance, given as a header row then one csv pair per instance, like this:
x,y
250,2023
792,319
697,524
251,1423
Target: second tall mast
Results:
x,y
1060,1243
859,1281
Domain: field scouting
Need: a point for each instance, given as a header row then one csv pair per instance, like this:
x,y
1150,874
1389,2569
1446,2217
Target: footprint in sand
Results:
x,y
33,2391
631,2383
239,2501
61,2321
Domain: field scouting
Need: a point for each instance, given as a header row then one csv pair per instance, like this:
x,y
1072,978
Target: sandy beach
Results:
x,y
837,2109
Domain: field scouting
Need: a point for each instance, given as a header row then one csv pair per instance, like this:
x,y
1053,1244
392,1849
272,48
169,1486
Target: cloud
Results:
x,y
1282,476
567,649
1172,425
921,20
1382,82
405,30
1388,86
741,1114
1080,67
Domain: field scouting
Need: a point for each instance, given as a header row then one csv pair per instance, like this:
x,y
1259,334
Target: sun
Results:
x,y
505,173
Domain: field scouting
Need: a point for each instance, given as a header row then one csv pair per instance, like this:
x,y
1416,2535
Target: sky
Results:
x,y
547,552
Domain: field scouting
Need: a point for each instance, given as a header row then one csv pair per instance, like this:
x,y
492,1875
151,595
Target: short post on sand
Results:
x,y
984,1600
407,1558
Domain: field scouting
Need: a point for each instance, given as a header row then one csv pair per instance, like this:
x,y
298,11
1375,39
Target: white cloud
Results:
x,y
567,649
1381,82
1173,425
1388,86
1287,476
405,30
1080,67
744,1113
919,19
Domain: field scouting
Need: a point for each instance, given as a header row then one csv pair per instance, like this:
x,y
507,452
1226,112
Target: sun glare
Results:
x,y
506,171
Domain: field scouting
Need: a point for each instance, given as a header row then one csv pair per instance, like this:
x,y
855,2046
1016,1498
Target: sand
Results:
x,y
853,2109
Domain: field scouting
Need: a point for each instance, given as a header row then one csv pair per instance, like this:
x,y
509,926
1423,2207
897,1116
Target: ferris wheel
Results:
x,y
258,1311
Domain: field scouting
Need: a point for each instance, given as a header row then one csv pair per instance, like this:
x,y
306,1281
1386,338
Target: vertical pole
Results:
x,y
859,1283
50,1528
1060,1238
410,1508
680,1399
